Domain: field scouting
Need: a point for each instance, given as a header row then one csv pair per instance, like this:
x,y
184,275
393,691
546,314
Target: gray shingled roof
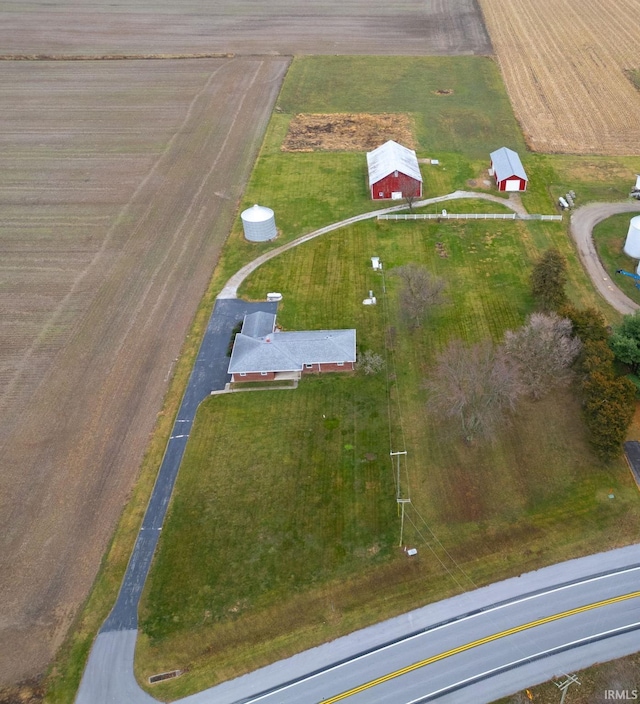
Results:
x,y
258,324
507,163
391,157
290,351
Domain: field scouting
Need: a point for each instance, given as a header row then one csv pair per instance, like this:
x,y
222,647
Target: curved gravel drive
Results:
x,y
230,289
583,220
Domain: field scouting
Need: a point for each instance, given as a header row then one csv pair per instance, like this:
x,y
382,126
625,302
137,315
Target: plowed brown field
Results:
x,y
119,184
563,63
402,27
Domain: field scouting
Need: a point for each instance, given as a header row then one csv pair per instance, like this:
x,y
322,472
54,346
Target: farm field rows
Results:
x,y
119,183
409,27
565,66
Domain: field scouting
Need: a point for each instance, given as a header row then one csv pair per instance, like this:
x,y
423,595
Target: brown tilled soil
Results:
x,y
350,132
366,27
119,185
28,692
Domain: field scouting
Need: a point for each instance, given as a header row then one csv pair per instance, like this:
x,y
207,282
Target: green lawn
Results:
x,y
474,119
295,490
283,531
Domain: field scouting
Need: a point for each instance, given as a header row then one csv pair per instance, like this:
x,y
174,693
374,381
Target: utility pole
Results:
x,y
397,456
399,499
564,686
402,502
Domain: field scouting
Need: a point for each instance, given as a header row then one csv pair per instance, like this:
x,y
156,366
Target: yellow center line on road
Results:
x,y
476,643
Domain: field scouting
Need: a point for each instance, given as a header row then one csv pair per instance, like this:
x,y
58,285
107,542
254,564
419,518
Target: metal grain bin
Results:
x,y
632,244
259,224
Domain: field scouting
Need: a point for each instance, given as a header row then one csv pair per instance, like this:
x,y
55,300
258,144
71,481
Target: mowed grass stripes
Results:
x,y
283,532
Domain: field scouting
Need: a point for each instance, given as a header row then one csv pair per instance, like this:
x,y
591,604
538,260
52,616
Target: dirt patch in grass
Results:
x,y
347,132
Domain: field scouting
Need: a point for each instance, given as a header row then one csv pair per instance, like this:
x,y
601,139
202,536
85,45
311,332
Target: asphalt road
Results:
x,y
484,644
209,374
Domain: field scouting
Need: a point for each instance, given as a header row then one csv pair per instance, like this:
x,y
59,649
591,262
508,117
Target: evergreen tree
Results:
x,y
625,341
548,279
588,323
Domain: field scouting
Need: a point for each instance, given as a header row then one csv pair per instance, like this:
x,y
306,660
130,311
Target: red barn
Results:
x,y
394,172
508,170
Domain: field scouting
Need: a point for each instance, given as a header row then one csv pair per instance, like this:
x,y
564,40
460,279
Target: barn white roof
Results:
x,y
506,163
391,157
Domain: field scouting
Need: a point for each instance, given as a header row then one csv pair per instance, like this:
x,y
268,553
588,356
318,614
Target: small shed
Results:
x,y
394,172
508,170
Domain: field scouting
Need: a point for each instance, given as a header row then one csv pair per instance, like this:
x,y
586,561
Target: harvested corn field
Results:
x,y
347,132
565,65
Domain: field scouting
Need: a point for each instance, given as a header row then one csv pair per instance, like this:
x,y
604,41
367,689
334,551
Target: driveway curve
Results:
x,y
583,220
230,289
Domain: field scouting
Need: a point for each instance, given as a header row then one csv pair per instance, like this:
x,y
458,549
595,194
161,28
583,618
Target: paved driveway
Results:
x,y
209,374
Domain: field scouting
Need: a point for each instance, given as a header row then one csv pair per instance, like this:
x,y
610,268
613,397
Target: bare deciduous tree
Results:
x,y
370,362
543,350
420,291
473,386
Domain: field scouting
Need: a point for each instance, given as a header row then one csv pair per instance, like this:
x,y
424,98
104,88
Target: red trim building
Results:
x,y
262,353
394,172
508,170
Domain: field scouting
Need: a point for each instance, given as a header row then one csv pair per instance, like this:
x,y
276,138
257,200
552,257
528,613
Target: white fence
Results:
x,y
468,216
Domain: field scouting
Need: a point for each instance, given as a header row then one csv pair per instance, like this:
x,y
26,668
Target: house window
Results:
x,y
341,364
308,366
263,373
243,373
380,194
395,174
